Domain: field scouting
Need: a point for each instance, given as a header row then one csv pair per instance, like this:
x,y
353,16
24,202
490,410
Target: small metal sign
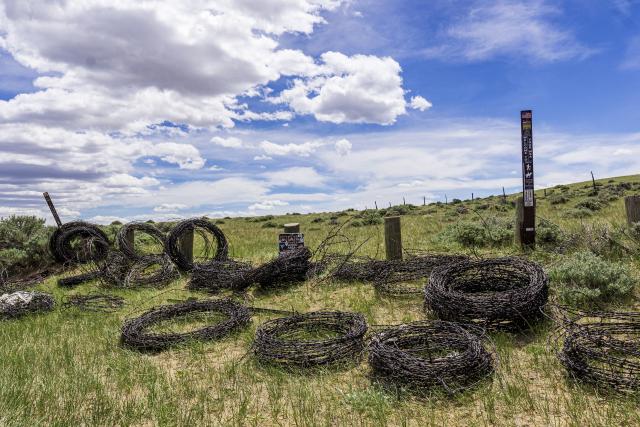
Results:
x,y
288,242
529,214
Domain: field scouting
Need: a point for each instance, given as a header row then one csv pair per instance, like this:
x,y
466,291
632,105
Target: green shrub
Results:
x,y
493,232
548,232
371,218
578,213
587,279
219,221
269,224
590,204
356,223
558,199
23,245
317,220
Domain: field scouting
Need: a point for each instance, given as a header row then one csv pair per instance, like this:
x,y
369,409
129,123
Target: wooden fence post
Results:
x,y
130,236
523,236
593,179
186,245
632,207
393,238
52,208
293,227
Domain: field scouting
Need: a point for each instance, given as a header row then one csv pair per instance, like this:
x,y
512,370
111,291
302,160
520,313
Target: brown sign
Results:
x,y
288,242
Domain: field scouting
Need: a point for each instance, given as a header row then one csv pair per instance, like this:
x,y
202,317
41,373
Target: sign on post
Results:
x,y
291,239
528,225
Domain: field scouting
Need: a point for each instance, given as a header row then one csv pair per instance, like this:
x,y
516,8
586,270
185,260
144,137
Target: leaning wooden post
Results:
x,y
632,207
52,208
593,179
527,218
130,237
186,244
393,237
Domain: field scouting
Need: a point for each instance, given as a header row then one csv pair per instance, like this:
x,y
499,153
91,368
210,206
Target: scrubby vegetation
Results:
x,y
585,279
23,245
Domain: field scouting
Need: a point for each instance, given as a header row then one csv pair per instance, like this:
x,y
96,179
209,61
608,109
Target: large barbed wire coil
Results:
x,y
498,293
203,228
288,268
281,341
430,355
217,275
601,348
126,245
78,242
136,333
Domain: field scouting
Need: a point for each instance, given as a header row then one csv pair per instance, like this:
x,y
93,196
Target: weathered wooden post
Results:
x,y
445,200
504,196
424,200
472,197
593,179
404,202
375,202
52,208
632,207
526,215
393,237
186,244
293,227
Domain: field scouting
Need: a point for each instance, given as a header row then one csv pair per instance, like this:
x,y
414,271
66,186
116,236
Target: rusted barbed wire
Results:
x,y
93,243
280,272
78,279
19,303
202,227
430,354
281,341
136,332
147,271
394,277
125,244
498,293
217,275
95,302
600,348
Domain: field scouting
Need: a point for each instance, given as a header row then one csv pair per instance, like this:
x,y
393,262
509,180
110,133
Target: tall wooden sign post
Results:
x,y
527,214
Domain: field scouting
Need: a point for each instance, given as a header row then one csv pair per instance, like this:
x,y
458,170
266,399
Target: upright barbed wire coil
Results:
x,y
94,243
498,293
277,341
430,354
203,227
601,348
136,333
125,244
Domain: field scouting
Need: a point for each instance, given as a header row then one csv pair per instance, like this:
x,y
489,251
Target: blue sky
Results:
x,y
160,109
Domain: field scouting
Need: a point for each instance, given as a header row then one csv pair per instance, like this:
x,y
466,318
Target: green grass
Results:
x,y
67,367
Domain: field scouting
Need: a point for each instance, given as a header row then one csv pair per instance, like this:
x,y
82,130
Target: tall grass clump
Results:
x,y
585,279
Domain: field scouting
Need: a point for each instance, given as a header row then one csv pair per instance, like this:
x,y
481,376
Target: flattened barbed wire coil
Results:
x,y
430,354
217,275
202,227
498,293
94,243
136,332
278,341
280,272
119,271
78,279
16,306
601,348
95,302
126,246
394,278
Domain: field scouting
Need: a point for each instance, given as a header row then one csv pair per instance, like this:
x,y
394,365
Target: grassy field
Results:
x,y
67,367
